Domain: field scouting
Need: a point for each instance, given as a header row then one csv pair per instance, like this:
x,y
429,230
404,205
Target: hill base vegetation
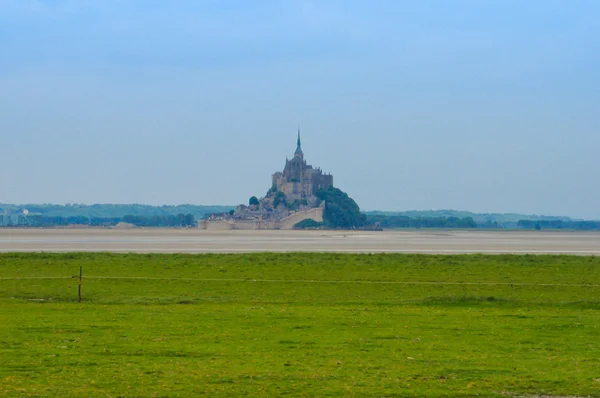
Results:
x,y
299,325
341,211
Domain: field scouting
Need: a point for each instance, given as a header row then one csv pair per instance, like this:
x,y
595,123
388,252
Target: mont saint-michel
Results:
x,y
299,195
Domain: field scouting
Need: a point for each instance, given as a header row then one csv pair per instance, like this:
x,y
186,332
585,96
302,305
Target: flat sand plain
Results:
x,y
154,240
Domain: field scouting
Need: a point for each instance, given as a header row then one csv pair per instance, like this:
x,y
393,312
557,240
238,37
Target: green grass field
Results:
x,y
299,325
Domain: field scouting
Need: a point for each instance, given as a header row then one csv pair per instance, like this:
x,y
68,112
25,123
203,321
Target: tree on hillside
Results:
x,y
253,201
279,198
341,211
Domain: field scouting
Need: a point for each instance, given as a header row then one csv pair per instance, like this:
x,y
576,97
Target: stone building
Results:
x,y
291,199
300,180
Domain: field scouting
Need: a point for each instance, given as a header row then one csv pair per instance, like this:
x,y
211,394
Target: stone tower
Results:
x,y
300,180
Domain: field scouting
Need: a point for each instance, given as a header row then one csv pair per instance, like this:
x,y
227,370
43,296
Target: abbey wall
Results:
x,y
315,214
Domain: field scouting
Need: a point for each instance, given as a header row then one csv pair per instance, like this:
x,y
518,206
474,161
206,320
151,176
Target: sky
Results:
x,y
487,106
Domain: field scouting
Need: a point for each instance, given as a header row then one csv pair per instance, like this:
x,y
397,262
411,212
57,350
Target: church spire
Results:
x,y
298,146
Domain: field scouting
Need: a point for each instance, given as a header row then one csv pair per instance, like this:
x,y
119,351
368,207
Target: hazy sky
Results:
x,y
488,106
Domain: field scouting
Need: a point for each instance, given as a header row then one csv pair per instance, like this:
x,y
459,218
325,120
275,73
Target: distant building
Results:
x,y
291,199
300,180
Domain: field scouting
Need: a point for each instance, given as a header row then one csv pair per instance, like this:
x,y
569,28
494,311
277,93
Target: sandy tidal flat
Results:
x,y
202,241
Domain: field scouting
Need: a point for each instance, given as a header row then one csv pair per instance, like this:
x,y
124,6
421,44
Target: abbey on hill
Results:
x,y
291,199
299,180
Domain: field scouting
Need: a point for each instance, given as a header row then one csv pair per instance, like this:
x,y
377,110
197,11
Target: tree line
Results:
x,y
56,221
179,220
559,224
421,222
109,210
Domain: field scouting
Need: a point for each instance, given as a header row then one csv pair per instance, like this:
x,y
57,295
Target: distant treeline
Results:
x,y
44,221
421,222
485,220
108,210
397,221
179,220
558,224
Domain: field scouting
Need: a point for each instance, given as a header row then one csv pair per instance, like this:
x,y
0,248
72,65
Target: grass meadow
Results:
x,y
299,324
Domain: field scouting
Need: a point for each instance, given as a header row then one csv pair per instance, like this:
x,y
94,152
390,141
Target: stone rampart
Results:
x,y
315,214
288,222
215,225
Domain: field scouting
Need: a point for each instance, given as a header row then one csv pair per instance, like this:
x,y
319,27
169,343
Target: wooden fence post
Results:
x,y
80,283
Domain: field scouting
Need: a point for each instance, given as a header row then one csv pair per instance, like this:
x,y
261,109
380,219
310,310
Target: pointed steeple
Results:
x,y
298,146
